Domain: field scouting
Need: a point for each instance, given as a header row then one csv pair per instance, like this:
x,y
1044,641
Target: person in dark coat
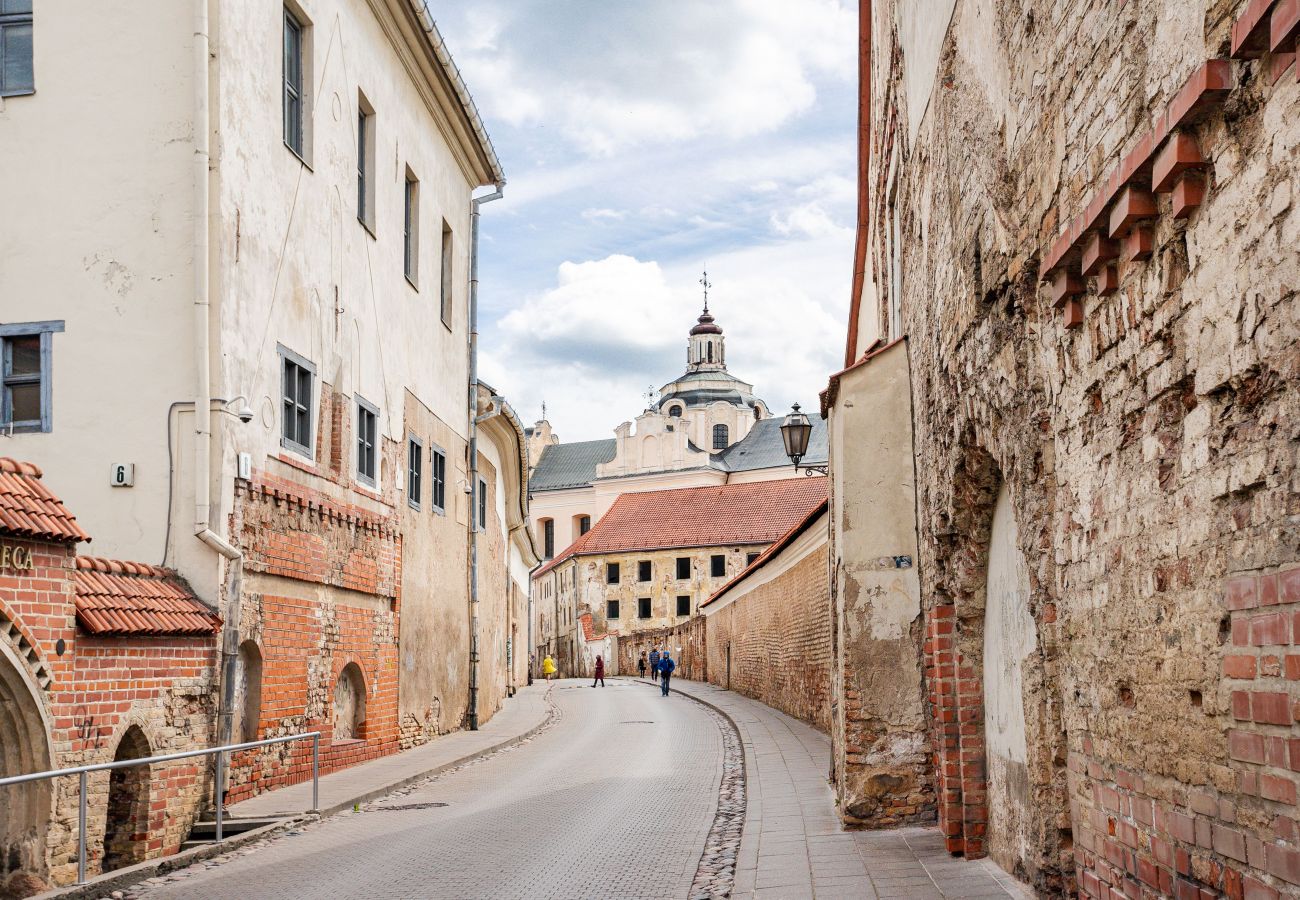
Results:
x,y
666,668
600,672
640,664
654,663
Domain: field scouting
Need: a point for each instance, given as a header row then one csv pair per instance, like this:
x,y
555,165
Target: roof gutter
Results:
x,y
443,55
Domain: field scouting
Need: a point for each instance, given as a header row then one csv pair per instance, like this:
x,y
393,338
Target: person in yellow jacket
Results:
x,y
548,667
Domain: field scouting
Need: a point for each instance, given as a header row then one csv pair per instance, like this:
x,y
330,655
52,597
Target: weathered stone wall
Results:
x,y
1146,435
773,643
687,641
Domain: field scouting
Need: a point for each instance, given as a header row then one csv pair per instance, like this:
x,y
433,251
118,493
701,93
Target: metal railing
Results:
x,y
83,771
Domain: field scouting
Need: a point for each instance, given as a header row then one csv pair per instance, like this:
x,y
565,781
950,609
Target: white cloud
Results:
x,y
596,215
652,72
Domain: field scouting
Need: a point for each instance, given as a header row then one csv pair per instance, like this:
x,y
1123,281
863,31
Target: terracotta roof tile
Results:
x,y
773,551
28,509
126,598
756,513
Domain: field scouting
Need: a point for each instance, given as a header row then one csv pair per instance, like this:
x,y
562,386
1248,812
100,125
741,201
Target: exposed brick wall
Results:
x,y
96,690
691,636
1147,434
779,638
295,538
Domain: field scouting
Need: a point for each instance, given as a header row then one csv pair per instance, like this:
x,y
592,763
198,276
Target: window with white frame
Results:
x,y
28,355
17,75
295,96
367,438
438,480
414,470
296,406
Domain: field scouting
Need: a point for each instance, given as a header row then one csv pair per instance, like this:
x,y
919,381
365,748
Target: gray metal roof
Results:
x,y
571,465
763,447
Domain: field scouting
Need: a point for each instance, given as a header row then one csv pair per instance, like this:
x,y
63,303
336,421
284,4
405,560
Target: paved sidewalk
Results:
x,y
518,717
794,846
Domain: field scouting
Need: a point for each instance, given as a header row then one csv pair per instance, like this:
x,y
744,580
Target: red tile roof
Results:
x,y
28,509
126,598
729,514
773,551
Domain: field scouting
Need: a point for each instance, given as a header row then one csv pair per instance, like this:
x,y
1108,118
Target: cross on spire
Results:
x,y
543,410
705,281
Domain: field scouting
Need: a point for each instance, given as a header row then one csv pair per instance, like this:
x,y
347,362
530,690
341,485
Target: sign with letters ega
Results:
x,y
17,558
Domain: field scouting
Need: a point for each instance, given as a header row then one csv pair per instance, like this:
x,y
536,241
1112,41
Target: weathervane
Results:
x,y
705,281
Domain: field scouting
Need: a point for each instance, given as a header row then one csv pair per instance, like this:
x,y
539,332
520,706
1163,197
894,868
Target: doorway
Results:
x,y
126,824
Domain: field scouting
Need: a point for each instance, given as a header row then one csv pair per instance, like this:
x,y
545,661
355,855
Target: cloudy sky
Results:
x,y
642,140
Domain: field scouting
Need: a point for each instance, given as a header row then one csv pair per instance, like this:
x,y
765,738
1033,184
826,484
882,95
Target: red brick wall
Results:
x,y
97,689
780,639
294,537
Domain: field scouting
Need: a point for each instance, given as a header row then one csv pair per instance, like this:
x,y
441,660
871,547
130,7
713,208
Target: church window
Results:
x,y
584,525
720,435
675,411
710,351
548,537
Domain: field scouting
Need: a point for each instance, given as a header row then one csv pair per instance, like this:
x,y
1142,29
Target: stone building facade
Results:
x,y
653,559
1075,269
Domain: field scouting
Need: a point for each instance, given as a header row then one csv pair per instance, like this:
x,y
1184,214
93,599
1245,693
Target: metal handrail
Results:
x,y
83,771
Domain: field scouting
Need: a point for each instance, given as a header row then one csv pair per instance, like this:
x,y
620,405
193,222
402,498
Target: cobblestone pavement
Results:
x,y
793,845
614,800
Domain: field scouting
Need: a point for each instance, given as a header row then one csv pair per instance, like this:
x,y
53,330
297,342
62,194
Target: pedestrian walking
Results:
x,y
600,672
548,667
666,668
640,664
654,663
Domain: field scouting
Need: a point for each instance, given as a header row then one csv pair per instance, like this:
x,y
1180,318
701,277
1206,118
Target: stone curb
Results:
x,y
120,879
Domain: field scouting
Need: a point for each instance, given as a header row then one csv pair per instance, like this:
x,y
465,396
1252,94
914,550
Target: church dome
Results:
x,y
706,325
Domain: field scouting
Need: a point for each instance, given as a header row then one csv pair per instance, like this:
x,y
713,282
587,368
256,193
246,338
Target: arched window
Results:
x,y
248,691
350,704
710,351
719,437
548,538
675,411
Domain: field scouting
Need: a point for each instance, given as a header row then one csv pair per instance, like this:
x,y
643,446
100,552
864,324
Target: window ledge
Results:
x,y
7,94
411,281
369,228
298,156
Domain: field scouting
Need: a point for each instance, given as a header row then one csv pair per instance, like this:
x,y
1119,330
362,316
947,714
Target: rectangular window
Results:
x,y
482,509
445,288
611,573
683,568
644,571
718,565
365,163
411,228
367,433
16,69
28,349
611,610
643,608
294,98
548,538
414,470
438,478
296,408
683,606
584,525
750,557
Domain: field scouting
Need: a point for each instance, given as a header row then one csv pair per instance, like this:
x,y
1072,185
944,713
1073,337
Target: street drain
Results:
x,y
405,806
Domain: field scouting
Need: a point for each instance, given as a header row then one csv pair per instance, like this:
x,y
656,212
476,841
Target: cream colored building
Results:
x,y
706,428
235,280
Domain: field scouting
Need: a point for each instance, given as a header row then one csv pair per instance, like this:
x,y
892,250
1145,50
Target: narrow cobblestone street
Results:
x,y
614,801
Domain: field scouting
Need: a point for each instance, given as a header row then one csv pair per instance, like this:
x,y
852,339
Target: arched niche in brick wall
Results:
x,y
350,704
24,808
247,704
126,823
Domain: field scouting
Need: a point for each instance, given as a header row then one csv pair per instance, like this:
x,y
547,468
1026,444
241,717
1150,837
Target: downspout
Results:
x,y
475,203
203,389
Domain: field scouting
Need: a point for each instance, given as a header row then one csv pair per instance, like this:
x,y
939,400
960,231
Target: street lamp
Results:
x,y
795,432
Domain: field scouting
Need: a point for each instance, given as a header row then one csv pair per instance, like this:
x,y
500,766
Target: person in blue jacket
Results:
x,y
654,663
666,668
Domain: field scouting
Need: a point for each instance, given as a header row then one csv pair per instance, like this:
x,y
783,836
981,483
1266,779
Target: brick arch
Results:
x,y
25,747
956,631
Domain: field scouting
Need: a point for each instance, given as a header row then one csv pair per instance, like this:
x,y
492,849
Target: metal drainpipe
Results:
x,y
475,203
